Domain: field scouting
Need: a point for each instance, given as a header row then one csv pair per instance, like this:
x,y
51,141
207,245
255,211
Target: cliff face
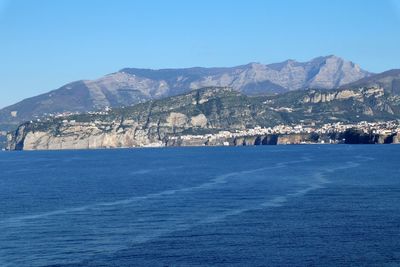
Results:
x,y
202,112
328,96
82,136
396,139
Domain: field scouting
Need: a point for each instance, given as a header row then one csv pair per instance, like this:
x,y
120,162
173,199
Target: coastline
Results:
x,y
198,146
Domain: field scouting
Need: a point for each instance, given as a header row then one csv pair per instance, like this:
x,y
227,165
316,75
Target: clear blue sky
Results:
x,y
47,43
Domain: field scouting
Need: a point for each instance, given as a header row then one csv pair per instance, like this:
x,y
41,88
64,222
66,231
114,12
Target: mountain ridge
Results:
x,y
132,85
388,80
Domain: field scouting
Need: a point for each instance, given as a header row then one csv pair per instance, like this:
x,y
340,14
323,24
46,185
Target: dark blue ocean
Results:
x,y
331,205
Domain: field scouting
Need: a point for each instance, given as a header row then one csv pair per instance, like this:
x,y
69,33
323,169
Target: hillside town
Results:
x,y
385,128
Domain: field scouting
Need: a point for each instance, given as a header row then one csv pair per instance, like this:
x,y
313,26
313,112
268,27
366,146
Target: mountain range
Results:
x,y
130,86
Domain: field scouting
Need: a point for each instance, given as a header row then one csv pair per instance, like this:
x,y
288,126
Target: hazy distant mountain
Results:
x,y
130,86
389,80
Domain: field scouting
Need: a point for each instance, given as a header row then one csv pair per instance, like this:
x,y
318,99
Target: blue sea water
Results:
x,y
332,205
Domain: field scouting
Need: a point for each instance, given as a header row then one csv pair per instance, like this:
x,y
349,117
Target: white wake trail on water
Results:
x,y
319,178
221,179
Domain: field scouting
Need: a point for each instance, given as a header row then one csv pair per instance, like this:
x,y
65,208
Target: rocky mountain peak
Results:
x,y
332,72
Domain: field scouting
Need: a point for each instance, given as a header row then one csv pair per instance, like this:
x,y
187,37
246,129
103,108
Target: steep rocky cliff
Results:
x,y
201,112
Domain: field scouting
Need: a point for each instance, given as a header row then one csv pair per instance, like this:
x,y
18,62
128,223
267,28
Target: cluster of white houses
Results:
x,y
381,128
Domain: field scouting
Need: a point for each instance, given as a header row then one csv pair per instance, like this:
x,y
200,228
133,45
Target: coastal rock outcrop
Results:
x,y
316,96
